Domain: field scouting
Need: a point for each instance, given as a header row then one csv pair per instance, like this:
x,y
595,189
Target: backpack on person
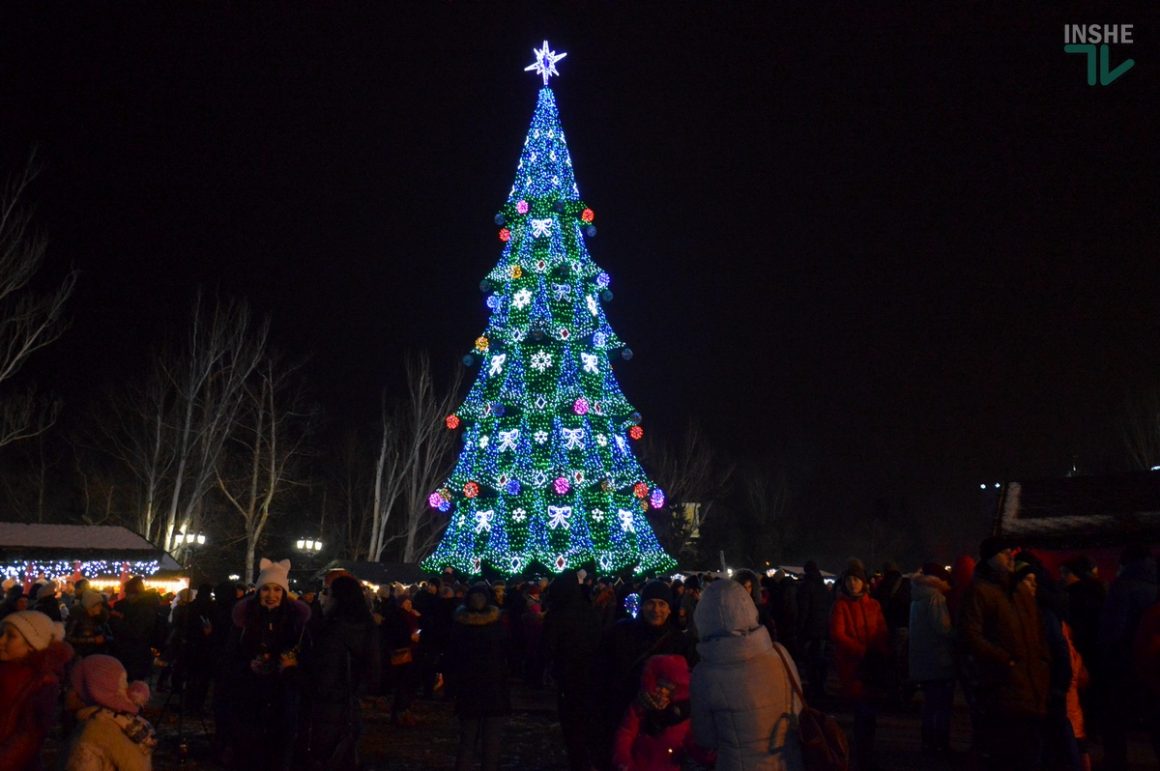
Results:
x,y
823,743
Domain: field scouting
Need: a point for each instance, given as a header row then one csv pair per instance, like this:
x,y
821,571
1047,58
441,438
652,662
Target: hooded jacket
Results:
x,y
1001,629
931,633
741,697
105,740
656,739
857,630
477,667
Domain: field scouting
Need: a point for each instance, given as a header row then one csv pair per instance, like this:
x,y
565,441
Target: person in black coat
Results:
x,y
343,664
477,675
136,631
264,678
619,661
814,604
572,630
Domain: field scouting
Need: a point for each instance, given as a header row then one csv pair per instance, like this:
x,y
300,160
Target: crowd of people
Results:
x,y
701,672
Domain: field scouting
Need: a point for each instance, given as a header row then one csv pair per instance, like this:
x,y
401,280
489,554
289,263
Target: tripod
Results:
x,y
179,686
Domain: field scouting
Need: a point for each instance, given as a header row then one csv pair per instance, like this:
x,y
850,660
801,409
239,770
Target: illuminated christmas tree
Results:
x,y
547,474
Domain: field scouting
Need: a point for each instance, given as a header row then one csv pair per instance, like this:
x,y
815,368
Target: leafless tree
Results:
x,y
135,427
208,380
415,454
28,320
264,446
1142,429
691,471
767,503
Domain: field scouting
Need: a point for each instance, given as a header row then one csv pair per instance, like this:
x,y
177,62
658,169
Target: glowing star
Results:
x,y
573,438
591,363
521,299
483,520
497,364
602,440
545,63
541,227
558,517
541,360
540,437
508,439
591,301
625,521
597,515
519,515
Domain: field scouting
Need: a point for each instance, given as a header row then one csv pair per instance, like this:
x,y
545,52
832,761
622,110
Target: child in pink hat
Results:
x,y
109,733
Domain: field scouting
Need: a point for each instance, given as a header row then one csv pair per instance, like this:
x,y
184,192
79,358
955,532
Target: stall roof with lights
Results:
x,y
31,542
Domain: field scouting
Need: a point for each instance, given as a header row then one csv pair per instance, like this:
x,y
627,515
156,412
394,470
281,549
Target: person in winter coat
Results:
x,y
264,680
401,637
32,661
87,630
1146,654
619,661
110,734
862,655
1133,591
48,600
742,695
814,604
532,622
477,677
343,663
1003,634
136,629
932,660
571,637
654,732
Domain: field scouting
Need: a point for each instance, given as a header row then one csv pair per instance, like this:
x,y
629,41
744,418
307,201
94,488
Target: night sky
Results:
x,y
898,251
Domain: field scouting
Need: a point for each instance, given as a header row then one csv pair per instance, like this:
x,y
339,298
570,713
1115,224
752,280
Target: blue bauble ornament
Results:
x,y
512,487
468,360
590,231
606,295
500,219
626,354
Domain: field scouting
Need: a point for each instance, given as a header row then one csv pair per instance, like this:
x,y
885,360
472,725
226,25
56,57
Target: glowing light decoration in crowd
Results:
x,y
546,477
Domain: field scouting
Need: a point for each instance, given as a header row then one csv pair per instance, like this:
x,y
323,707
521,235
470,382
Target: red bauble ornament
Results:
x,y
505,234
587,215
471,489
640,490
452,422
636,432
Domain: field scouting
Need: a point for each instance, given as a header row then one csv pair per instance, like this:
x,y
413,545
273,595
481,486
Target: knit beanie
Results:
x,y
101,681
46,590
656,590
90,598
38,629
274,573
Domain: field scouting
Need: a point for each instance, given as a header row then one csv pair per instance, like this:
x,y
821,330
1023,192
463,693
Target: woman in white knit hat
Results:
x,y
265,681
33,655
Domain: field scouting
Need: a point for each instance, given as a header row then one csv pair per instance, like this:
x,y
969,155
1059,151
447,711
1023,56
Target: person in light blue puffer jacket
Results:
x,y
743,704
932,660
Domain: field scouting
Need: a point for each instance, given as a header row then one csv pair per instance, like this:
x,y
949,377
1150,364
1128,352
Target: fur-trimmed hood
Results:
x,y
921,586
488,615
248,608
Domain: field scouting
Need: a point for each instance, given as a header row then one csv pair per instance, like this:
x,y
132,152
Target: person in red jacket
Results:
x,y
33,655
861,654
